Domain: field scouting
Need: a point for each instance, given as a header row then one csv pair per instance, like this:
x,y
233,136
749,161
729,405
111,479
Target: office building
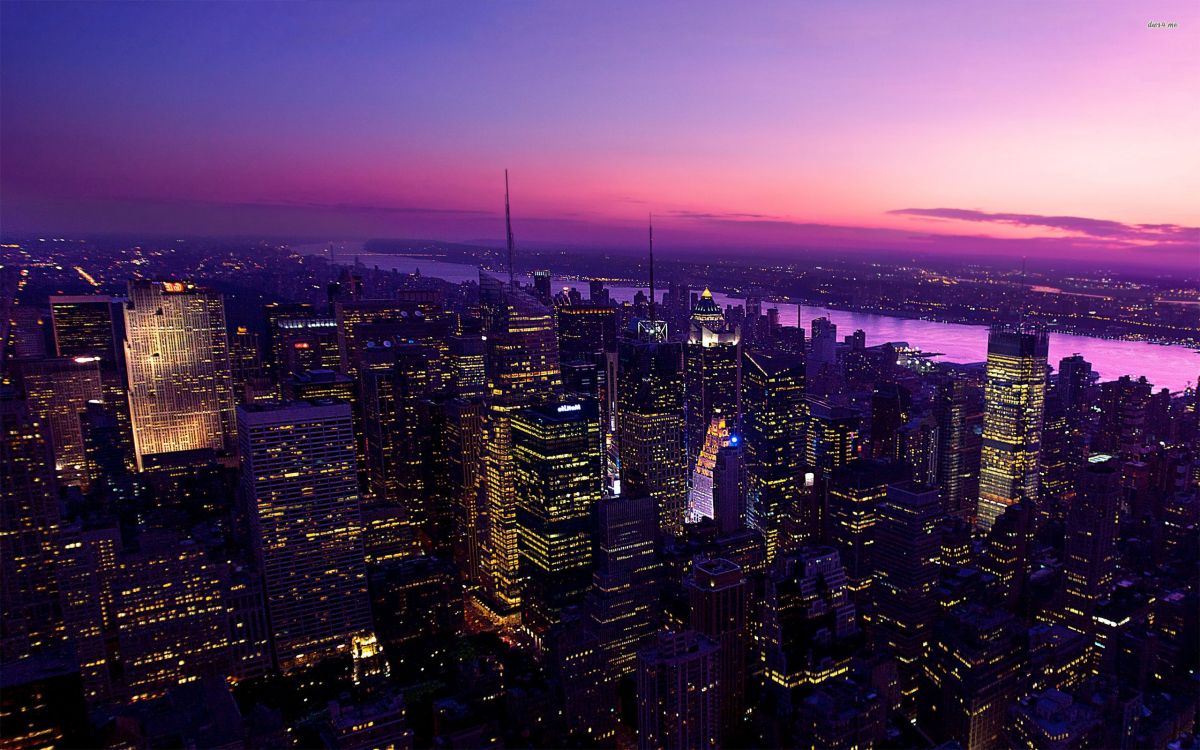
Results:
x,y
773,432
1012,423
906,558
299,481
701,494
85,326
177,363
650,420
57,391
558,463
854,494
1090,557
522,370
809,628
623,602
971,677
713,372
718,597
679,692
833,435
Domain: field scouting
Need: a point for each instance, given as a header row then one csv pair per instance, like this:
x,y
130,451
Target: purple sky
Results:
x,y
1049,129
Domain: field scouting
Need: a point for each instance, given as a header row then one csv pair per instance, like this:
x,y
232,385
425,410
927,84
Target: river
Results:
x,y
1174,367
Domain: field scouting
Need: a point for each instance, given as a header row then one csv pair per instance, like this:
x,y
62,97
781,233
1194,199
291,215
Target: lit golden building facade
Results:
x,y
177,361
1014,401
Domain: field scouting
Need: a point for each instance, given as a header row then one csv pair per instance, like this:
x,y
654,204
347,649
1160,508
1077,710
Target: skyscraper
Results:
x,y
809,629
854,495
177,360
773,430
650,420
1012,424
558,462
701,494
832,435
713,372
1090,558
57,390
718,595
729,487
84,326
541,286
959,414
29,525
168,601
907,547
678,692
299,479
971,677
522,370
622,604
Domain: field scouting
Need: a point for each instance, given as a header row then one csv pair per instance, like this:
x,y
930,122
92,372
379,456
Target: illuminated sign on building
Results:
x,y
569,407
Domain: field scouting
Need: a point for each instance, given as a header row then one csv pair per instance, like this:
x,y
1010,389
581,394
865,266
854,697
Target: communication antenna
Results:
x,y
651,220
512,277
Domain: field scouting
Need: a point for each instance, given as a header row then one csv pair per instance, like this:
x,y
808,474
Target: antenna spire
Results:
x,y
512,278
651,222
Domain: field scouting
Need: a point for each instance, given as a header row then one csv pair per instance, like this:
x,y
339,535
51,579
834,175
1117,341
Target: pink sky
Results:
x,y
792,125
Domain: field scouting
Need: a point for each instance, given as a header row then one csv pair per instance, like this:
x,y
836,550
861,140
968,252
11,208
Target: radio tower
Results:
x,y
512,278
651,221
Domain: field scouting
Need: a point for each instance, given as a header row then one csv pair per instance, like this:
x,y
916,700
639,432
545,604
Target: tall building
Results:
x,y
522,370
558,462
58,390
855,493
713,370
809,632
1090,557
773,430
246,365
84,326
1008,551
729,488
303,343
299,479
701,494
542,286
168,602
364,322
177,361
678,692
971,677
393,380
833,433
29,526
650,420
891,407
958,410
718,595
1012,425
585,329
623,602
907,548
823,347
466,420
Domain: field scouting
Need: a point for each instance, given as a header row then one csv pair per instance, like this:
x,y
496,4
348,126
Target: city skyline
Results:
x,y
543,375
1052,132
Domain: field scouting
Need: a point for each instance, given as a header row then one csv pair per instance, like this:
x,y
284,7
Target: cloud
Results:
x,y
1104,229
